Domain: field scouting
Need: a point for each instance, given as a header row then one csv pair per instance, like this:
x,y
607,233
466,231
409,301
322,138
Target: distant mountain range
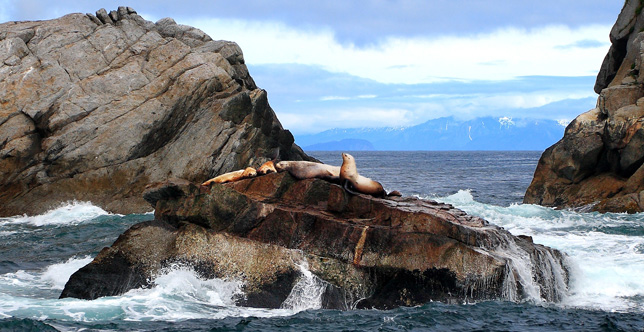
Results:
x,y
443,134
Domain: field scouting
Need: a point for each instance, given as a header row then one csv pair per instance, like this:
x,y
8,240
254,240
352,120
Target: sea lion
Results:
x,y
307,170
349,177
267,167
249,172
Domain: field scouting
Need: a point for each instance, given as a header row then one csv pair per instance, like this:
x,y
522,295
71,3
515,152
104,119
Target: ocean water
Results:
x,y
605,251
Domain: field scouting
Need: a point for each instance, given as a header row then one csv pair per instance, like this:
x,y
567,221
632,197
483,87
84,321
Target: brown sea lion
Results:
x,y
267,167
249,172
307,170
350,177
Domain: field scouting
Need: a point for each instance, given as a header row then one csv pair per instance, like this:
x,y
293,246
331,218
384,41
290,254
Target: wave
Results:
x,y
57,275
178,293
606,251
69,213
49,280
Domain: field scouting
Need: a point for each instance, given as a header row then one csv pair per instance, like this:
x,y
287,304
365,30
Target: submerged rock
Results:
x,y
278,236
95,107
600,160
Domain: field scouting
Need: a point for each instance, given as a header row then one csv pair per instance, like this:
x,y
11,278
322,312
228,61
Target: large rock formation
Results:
x,y
274,234
600,160
95,107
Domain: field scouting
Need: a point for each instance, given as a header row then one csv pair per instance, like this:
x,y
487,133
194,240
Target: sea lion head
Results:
x,y
348,158
249,172
348,169
282,166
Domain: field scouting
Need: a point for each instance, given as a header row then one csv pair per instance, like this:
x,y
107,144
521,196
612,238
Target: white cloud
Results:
x,y
333,98
345,118
501,55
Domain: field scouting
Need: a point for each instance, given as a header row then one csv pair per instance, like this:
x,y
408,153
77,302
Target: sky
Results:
x,y
375,63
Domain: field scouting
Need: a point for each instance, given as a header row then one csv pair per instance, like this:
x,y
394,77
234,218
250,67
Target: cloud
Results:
x,y
307,100
585,43
355,22
499,55
332,98
503,40
351,63
314,122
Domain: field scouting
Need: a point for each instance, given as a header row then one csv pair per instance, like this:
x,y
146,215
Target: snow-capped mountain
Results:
x,y
442,134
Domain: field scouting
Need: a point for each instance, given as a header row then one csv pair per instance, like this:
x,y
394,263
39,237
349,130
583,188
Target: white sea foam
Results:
x,y
307,292
607,259
177,294
69,213
57,275
50,280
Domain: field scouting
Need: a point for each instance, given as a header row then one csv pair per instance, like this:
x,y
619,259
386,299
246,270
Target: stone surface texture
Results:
x,y
599,163
95,107
363,251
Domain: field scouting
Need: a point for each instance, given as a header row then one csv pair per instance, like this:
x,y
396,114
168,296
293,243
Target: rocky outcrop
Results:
x,y
95,107
274,233
599,162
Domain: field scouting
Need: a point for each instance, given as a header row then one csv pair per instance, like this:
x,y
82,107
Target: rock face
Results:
x,y
600,160
94,107
271,231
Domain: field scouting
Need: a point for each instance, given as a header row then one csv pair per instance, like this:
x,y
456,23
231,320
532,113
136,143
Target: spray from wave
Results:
x,y
70,213
605,251
307,292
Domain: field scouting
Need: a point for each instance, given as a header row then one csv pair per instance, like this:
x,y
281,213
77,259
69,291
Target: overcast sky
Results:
x,y
328,64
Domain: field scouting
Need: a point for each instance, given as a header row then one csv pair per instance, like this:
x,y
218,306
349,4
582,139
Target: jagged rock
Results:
x,y
598,162
364,252
94,107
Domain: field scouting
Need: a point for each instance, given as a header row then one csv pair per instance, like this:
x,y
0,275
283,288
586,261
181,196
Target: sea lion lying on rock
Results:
x,y
354,182
249,172
307,170
266,168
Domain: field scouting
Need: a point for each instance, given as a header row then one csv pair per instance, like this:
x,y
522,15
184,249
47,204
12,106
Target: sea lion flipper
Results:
x,y
346,187
395,193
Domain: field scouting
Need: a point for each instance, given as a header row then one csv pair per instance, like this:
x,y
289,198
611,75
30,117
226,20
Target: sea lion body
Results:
x,y
248,172
307,170
266,168
364,185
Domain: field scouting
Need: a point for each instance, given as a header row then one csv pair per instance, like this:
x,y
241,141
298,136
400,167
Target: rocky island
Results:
x,y
131,115
599,163
363,252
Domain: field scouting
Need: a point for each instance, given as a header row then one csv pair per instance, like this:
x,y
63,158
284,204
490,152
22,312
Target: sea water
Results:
x,y
605,252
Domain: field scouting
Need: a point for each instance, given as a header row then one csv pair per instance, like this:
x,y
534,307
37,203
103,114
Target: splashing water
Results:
x,y
177,294
605,252
307,292
70,213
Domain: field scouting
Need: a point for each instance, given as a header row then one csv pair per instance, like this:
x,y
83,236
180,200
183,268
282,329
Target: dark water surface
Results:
x,y
498,178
